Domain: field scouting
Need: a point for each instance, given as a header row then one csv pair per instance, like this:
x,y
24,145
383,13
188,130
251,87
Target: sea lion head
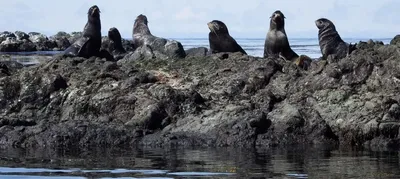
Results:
x,y
277,20
140,26
94,12
324,23
141,19
93,26
114,34
218,27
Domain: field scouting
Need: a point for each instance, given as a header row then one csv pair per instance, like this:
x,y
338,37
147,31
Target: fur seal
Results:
x,y
115,47
90,42
277,43
330,41
220,40
142,37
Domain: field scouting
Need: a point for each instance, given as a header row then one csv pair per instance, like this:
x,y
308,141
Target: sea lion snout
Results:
x,y
94,10
213,25
317,23
323,23
142,19
210,25
112,29
277,17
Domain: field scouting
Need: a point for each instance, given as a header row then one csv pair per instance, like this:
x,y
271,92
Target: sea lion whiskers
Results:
x,y
93,10
220,40
212,27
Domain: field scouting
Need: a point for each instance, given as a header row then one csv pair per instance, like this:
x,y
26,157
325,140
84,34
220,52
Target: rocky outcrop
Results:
x,y
34,41
22,42
126,44
196,52
218,100
12,44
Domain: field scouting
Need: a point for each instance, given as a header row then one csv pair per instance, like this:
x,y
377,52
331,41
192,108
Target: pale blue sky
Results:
x,y
188,18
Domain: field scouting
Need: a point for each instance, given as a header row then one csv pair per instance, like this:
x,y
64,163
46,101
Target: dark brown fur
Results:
x,y
220,40
330,41
277,43
90,43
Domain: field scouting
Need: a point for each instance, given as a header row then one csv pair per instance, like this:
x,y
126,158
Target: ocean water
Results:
x,y
221,163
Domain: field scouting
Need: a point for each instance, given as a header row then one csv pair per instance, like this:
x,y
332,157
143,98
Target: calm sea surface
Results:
x,y
223,163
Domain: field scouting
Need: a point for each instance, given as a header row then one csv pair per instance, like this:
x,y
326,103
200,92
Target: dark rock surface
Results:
x,y
5,34
34,41
197,52
218,100
128,45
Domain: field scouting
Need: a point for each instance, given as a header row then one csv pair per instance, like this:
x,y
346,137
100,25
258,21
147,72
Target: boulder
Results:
x,y
197,52
226,99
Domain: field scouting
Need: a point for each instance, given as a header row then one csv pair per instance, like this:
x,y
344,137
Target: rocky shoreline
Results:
x,y
33,41
226,99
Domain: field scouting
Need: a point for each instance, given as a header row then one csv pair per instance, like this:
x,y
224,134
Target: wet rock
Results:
x,y
27,46
73,37
11,44
143,52
21,35
197,52
36,37
128,45
5,34
61,41
226,99
41,42
395,40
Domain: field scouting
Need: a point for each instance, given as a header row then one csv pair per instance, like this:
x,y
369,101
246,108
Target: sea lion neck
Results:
x,y
141,28
274,25
92,27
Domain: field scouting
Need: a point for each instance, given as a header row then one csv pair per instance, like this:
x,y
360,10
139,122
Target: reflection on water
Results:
x,y
219,163
28,58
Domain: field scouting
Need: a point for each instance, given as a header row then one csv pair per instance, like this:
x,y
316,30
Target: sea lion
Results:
x,y
115,47
277,43
220,40
142,37
90,42
330,41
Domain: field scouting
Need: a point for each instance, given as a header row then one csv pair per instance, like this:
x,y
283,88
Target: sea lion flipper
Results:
x,y
76,47
84,47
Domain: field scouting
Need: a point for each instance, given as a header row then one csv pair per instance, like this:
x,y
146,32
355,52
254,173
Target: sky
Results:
x,y
188,18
